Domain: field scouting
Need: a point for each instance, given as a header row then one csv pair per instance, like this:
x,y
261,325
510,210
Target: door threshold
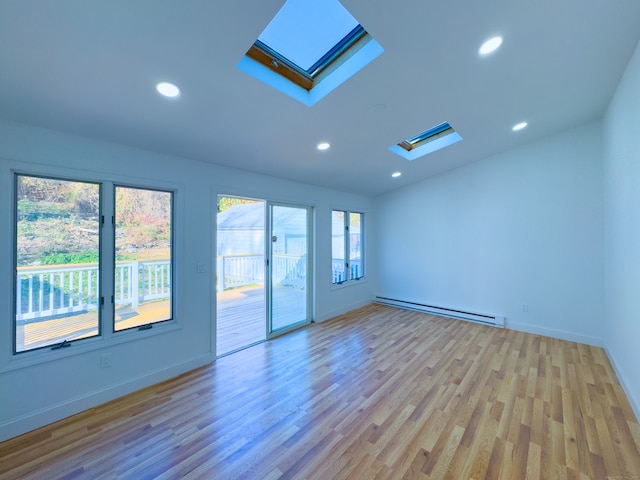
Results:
x,y
241,348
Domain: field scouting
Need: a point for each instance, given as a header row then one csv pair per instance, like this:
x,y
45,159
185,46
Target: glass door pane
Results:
x,y
241,301
288,288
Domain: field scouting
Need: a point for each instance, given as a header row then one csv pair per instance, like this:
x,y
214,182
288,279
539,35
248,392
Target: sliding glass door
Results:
x,y
262,271
289,267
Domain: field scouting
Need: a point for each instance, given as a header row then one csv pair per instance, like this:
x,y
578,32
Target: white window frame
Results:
x,y
348,261
106,335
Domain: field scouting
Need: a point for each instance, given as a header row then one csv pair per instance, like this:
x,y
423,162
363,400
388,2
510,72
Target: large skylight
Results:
x,y
303,31
429,141
309,48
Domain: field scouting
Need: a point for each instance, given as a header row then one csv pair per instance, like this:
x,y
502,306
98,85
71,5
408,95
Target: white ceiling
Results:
x,y
90,66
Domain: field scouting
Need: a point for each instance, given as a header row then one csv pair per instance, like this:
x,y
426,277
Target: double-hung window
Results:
x,y
347,235
91,258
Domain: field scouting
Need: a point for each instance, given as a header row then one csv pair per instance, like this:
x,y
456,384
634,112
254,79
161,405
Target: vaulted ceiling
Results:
x,y
89,67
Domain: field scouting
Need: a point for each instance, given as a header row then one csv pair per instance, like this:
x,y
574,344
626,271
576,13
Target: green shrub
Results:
x,y
70,258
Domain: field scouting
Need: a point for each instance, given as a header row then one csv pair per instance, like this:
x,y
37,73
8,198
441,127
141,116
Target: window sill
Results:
x,y
348,283
46,355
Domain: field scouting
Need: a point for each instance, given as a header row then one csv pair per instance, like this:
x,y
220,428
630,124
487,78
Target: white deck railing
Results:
x,y
240,270
290,270
58,290
340,273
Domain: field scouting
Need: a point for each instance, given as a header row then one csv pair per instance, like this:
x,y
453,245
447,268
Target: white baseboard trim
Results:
x,y
334,313
633,401
550,332
17,426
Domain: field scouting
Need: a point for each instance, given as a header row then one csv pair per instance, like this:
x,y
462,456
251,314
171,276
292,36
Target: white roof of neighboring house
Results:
x,y
242,216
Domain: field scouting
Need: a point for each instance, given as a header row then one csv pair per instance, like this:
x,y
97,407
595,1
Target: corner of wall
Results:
x,y
633,401
555,333
345,309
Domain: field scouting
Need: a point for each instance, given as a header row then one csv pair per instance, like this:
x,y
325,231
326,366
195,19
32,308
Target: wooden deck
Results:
x,y
241,317
379,393
37,334
240,314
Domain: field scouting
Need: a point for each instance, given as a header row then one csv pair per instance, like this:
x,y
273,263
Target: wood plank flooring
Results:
x,y
376,393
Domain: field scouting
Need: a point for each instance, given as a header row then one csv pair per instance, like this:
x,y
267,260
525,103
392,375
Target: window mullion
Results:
x,y
347,260
107,257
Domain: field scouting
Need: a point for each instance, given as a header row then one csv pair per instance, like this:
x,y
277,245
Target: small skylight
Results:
x,y
309,48
429,141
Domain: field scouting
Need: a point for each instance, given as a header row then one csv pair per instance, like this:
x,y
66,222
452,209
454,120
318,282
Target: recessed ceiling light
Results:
x,y
323,146
519,126
490,45
168,89
396,174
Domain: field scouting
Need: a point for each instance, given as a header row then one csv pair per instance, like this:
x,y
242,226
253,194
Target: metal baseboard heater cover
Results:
x,y
494,320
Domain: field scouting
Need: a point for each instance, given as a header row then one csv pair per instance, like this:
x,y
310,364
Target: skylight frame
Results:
x,y
274,60
429,141
347,42
427,136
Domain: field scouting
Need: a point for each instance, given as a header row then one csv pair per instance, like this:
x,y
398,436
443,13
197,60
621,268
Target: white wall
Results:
x,y
39,387
622,230
520,228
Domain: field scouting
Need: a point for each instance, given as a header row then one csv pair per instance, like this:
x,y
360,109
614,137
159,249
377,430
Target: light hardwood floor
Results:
x,y
377,393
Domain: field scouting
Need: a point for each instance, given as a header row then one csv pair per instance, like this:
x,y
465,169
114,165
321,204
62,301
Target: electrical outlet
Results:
x,y
105,360
525,307
202,268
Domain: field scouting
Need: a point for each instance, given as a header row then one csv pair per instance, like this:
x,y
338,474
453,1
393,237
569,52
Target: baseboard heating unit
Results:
x,y
494,320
